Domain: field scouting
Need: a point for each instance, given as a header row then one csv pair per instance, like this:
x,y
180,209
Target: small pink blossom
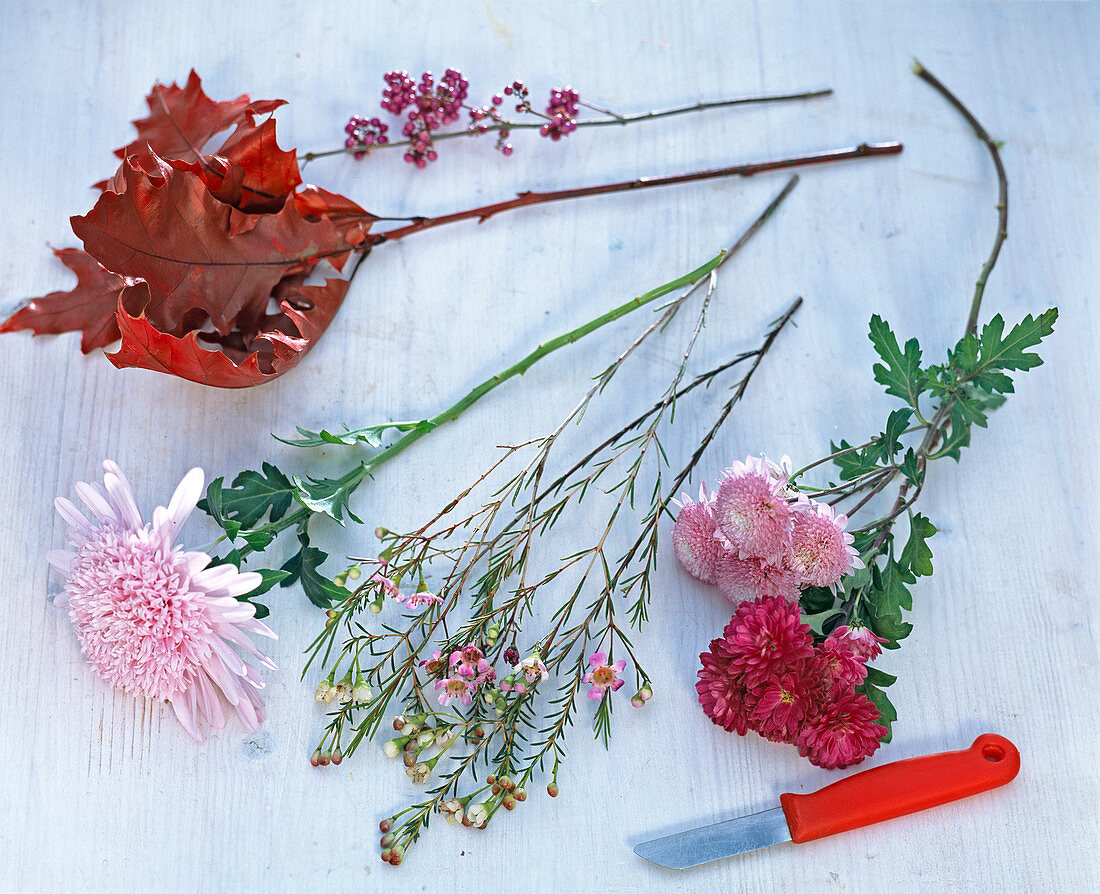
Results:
x,y
741,579
603,676
388,587
419,599
532,669
844,667
693,537
821,551
452,688
753,512
470,662
862,640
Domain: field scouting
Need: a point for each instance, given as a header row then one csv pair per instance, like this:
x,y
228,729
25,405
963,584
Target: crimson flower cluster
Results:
x,y
428,107
766,674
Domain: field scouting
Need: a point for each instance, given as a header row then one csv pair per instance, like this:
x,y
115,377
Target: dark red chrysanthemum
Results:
x,y
842,735
767,638
722,693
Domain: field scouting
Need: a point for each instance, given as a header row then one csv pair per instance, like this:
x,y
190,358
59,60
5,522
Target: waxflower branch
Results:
x,y
831,598
479,550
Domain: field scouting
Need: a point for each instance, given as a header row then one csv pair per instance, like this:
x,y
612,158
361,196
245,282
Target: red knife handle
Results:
x,y
902,787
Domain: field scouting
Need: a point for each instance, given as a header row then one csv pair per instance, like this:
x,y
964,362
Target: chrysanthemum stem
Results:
x,y
599,122
1002,190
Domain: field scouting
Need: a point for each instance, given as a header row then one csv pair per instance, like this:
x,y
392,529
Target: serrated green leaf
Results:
x,y
917,555
304,567
896,423
258,540
884,601
213,506
329,495
880,700
819,621
900,372
911,469
956,436
371,435
271,576
858,462
880,678
252,496
816,599
999,352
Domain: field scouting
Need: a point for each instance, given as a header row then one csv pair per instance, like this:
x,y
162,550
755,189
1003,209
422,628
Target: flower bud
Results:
x,y
552,789
340,579
424,739
376,606
491,778
386,854
354,572
419,773
509,802
337,756
393,747
478,814
506,783
520,794
409,759
315,758
396,856
385,825
387,840
398,723
492,633
325,758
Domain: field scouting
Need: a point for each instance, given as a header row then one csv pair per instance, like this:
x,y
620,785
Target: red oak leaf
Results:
x,y
229,362
182,120
199,254
90,306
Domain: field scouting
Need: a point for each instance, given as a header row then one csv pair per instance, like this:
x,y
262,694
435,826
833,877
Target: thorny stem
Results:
x,y
612,119
863,150
1002,190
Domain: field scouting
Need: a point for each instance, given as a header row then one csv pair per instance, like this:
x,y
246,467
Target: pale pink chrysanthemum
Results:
x,y
152,619
821,551
741,579
843,734
753,512
862,640
603,676
722,691
693,537
766,638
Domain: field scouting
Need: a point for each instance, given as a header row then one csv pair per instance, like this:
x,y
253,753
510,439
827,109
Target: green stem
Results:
x,y
357,474
1002,194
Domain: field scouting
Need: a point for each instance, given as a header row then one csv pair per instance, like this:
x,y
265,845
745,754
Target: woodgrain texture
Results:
x,y
102,793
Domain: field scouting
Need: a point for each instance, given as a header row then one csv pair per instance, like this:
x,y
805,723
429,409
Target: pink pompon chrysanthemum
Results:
x,y
862,640
783,704
722,693
840,663
452,688
152,619
693,537
753,513
603,676
766,638
843,734
821,551
741,579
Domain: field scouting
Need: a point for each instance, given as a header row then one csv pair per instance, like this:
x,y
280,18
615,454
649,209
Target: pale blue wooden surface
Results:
x,y
102,793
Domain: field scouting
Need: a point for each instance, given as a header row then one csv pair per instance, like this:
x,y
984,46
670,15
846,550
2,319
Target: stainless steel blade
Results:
x,y
735,836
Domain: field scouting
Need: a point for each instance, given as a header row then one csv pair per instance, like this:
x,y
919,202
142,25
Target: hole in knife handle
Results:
x,y
993,753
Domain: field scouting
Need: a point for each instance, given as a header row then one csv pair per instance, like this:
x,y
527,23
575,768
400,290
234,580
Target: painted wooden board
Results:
x,y
102,793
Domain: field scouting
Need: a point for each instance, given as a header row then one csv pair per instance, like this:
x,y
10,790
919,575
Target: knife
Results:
x,y
863,799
